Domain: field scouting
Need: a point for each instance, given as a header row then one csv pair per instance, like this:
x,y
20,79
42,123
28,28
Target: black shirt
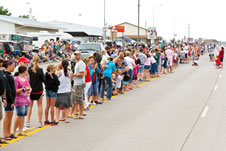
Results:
x,y
10,88
36,80
52,83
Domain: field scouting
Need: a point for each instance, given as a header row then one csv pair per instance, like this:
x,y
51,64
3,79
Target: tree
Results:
x,y
24,16
172,40
4,11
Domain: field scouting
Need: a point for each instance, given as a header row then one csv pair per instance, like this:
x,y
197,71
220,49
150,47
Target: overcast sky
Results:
x,y
206,17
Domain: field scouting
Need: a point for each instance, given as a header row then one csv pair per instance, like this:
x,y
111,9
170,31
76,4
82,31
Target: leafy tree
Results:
x,y
4,11
172,40
24,16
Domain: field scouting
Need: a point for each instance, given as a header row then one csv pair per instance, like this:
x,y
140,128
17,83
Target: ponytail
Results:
x,y
35,60
65,65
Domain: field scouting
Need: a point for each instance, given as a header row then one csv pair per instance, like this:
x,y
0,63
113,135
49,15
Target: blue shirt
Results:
x,y
110,67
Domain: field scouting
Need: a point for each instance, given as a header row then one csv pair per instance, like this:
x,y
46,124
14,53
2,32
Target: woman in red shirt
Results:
x,y
88,85
221,55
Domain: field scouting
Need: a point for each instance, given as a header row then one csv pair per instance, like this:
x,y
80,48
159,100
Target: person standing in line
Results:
x,y
79,85
131,64
36,81
88,85
221,56
22,99
9,66
52,84
64,92
109,68
142,58
169,55
2,95
94,71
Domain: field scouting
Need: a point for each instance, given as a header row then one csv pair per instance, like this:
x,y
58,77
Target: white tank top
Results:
x,y
65,83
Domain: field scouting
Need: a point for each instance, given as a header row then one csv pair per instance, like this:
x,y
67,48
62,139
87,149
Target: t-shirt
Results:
x,y
110,67
169,54
87,78
153,60
148,62
23,97
221,54
142,57
130,62
79,67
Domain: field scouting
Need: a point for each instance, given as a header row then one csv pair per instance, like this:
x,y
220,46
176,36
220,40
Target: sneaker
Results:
x,y
54,123
46,122
27,125
40,125
25,129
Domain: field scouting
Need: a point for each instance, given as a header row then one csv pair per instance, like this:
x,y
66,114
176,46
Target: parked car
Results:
x,y
88,49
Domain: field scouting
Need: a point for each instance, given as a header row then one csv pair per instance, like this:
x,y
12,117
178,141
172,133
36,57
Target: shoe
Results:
x,y
25,129
98,102
47,123
40,125
12,136
27,125
54,123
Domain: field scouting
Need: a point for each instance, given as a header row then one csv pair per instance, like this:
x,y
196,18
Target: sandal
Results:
x,y
13,136
67,122
7,138
64,119
3,142
80,118
22,135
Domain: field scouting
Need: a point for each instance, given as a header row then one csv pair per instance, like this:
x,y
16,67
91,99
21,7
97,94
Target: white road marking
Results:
x,y
215,89
205,111
220,75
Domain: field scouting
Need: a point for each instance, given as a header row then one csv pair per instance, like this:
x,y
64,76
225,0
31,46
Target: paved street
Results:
x,y
180,111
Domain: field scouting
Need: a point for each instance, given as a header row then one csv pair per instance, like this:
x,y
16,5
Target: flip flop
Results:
x,y
3,142
7,138
22,135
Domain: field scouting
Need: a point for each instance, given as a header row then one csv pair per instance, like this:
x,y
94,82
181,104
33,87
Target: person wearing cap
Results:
x,y
79,85
22,62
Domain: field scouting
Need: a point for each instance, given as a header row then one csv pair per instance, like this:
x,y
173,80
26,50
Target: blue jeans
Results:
x,y
109,91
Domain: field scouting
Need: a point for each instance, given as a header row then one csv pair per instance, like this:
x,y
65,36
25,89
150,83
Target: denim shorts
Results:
x,y
8,108
21,110
147,67
141,69
51,94
93,89
130,75
125,82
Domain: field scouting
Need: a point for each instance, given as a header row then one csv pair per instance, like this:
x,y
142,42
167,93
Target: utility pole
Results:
x,y
138,32
189,31
105,29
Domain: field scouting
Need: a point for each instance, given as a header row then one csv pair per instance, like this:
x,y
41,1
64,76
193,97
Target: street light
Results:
x,y
138,32
105,29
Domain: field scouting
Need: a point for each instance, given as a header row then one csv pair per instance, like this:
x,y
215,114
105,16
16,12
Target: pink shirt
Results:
x,y
23,97
169,54
148,62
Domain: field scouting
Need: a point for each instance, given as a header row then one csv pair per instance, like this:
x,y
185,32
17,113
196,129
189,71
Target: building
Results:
x,y
80,32
131,31
9,24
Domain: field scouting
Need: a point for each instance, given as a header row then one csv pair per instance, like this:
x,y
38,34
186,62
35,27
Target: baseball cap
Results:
x,y
77,53
23,59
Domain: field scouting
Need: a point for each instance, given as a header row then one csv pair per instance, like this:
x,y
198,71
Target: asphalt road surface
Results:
x,y
182,111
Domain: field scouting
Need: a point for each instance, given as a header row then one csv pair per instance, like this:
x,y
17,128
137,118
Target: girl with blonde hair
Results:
x,y
36,81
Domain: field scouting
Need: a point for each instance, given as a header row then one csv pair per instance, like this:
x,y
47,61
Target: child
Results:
x,y
164,64
118,83
126,79
135,69
52,84
22,99
218,62
196,61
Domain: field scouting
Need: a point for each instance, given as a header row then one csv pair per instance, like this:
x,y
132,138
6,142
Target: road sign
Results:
x,y
152,33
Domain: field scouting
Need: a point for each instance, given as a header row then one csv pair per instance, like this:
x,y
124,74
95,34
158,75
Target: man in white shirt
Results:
x,y
130,62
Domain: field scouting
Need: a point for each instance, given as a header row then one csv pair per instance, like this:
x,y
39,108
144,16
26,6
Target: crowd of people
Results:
x,y
71,89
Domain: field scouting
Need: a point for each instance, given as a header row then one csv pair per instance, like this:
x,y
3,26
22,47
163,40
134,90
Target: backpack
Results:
x,y
2,83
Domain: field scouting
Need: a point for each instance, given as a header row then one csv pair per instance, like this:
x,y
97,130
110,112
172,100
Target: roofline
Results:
x,y
130,24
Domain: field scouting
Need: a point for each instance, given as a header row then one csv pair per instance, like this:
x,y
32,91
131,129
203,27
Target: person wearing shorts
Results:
x,y
79,85
52,85
22,100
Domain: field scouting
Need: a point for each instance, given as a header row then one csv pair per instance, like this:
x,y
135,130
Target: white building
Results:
x,y
9,24
79,32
